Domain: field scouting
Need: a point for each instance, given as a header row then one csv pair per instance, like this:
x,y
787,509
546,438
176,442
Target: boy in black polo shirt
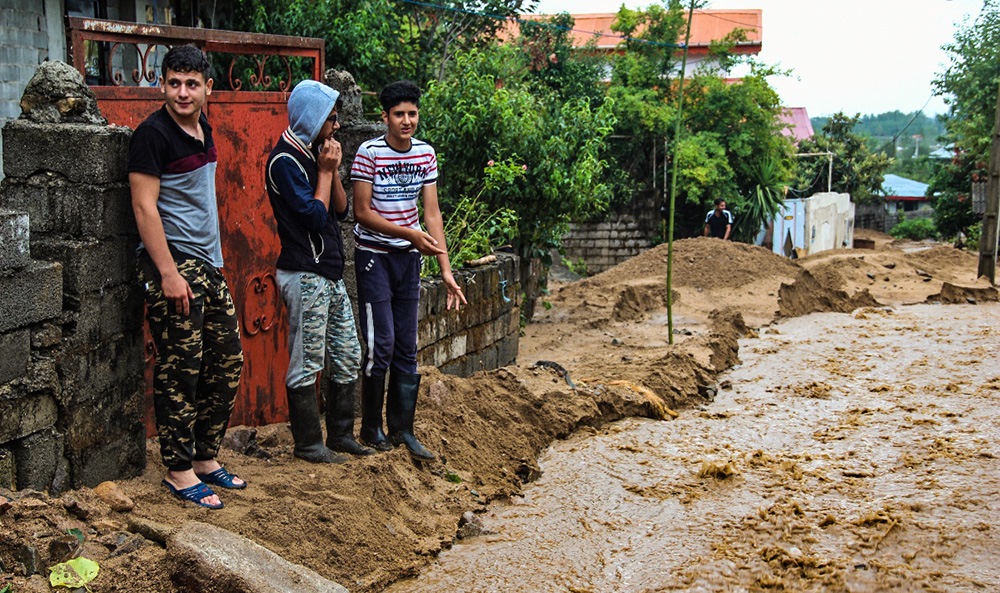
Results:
x,y
172,161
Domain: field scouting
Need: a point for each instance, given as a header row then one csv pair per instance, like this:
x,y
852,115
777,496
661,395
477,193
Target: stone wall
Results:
x,y
27,30
621,235
484,334
70,309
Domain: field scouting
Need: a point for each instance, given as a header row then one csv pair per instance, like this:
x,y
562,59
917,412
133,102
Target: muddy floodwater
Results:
x,y
848,452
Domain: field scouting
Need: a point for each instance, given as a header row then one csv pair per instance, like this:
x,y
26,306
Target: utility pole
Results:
x,y
988,239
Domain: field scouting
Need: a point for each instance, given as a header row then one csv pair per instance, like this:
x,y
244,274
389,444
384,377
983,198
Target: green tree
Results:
x,y
554,63
382,40
744,119
969,85
856,171
486,110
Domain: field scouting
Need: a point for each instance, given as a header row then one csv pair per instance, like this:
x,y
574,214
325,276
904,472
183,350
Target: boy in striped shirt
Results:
x,y
391,174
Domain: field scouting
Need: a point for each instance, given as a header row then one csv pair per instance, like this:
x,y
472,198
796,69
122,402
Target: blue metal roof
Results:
x,y
895,186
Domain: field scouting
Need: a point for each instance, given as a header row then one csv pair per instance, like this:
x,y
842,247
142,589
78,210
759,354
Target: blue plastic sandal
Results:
x,y
221,477
194,494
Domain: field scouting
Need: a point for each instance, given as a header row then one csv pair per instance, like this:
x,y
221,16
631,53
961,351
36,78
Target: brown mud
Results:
x,y
373,521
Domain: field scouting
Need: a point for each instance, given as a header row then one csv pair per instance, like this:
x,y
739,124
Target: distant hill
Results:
x,y
883,127
909,154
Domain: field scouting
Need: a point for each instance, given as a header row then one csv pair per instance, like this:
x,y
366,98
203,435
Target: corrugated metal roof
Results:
x,y
706,26
901,188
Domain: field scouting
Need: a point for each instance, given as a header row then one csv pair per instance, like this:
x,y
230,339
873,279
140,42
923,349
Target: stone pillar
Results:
x,y
66,169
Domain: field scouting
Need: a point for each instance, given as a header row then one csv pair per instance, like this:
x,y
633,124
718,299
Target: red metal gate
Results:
x,y
245,124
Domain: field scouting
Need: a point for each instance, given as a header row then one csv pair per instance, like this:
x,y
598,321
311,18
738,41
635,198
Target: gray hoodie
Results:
x,y
309,105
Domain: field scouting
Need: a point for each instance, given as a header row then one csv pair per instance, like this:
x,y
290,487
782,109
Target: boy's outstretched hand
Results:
x,y
455,296
426,244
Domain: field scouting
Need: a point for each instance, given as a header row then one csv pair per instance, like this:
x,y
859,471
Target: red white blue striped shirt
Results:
x,y
397,179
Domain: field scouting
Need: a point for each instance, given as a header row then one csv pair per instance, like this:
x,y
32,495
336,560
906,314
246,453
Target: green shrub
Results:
x,y
916,229
474,229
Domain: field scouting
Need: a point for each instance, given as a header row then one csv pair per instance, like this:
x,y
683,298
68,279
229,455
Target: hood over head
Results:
x,y
309,105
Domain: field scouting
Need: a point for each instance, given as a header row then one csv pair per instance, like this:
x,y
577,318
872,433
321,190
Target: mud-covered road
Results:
x,y
848,452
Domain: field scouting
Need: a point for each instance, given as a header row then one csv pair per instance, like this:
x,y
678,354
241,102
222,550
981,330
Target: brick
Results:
x,y
112,414
90,372
105,439
80,152
15,250
8,471
90,265
38,459
57,206
27,414
100,315
15,350
124,457
30,295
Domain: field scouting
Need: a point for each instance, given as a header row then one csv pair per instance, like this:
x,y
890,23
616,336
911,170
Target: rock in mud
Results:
x,y
110,493
210,559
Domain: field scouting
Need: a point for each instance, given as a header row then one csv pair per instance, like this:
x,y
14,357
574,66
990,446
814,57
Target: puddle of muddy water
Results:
x,y
853,453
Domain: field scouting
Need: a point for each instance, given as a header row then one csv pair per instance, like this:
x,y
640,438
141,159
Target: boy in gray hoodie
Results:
x,y
308,200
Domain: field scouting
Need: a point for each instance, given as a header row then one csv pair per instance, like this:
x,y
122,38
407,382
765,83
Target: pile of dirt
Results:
x,y
808,295
706,272
895,272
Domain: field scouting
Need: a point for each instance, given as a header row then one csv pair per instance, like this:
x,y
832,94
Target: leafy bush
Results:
x,y
473,229
916,229
485,109
578,267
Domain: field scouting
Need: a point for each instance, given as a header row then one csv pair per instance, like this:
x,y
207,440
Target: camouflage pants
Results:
x,y
198,362
320,321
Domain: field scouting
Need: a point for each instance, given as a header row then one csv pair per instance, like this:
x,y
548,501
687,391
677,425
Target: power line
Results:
x,y
916,114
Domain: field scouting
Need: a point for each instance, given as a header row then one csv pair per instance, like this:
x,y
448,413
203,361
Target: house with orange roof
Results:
x,y
706,26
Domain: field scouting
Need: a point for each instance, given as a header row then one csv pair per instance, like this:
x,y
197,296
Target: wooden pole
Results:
x,y
988,238
669,235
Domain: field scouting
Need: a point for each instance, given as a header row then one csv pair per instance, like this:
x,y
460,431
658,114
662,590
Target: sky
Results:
x,y
855,56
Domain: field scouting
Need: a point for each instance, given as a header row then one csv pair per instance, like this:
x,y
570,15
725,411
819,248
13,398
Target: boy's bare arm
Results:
x,y
435,226
145,192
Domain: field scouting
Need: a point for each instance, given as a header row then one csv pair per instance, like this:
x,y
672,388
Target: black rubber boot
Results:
x,y
340,420
401,407
303,416
372,397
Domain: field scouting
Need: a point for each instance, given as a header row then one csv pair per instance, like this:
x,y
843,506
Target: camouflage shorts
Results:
x,y
320,322
198,362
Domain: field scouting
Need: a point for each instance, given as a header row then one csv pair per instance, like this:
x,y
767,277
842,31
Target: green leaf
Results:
x,y
7,589
75,532
74,573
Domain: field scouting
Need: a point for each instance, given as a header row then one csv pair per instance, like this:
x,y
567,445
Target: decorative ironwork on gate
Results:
x,y
119,53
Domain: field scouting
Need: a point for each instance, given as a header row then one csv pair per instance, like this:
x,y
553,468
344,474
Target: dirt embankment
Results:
x,y
373,520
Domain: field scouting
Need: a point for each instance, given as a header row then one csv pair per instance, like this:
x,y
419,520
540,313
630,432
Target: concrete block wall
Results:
x,y
482,335
24,30
605,243
72,380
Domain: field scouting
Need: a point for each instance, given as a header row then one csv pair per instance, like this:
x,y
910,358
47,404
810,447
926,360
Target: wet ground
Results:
x,y
849,452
